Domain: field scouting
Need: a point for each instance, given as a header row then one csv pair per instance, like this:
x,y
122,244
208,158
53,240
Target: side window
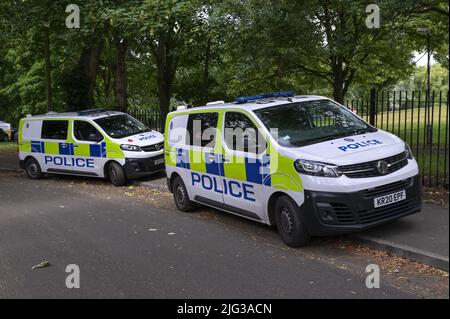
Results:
x,y
54,130
85,131
202,129
241,134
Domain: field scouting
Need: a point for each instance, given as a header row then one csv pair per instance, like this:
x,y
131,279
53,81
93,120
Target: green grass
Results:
x,y
413,131
400,123
8,148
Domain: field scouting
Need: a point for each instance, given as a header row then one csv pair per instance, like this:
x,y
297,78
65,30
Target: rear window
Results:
x,y
54,130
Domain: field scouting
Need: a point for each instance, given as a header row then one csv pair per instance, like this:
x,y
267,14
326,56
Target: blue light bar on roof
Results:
x,y
244,99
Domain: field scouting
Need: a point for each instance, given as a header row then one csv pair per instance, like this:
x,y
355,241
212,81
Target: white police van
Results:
x,y
305,164
94,142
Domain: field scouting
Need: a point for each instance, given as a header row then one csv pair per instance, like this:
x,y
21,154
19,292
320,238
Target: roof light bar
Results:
x,y
91,111
244,99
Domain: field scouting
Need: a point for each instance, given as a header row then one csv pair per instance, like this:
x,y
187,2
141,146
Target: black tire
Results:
x,y
33,169
290,222
116,174
180,195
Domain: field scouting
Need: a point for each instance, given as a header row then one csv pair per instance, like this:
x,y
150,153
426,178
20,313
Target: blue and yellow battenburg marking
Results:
x,y
256,171
95,150
37,147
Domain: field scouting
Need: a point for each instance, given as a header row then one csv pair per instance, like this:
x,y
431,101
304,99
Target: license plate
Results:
x,y
159,161
389,199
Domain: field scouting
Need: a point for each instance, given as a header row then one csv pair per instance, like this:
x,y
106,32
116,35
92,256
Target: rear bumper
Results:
x,y
339,213
141,167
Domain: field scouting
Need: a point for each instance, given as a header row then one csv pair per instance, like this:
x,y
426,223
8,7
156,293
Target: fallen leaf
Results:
x,y
42,264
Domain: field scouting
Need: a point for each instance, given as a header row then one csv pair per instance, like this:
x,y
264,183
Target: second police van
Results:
x,y
304,164
95,142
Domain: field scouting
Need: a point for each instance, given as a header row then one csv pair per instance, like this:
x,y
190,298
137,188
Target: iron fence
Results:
x,y
420,119
150,117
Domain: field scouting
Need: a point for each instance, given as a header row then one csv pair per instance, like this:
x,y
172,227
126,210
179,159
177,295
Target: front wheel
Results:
x,y
33,169
180,195
116,174
290,222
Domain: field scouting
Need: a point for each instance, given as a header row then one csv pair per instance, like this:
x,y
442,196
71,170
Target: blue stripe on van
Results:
x,y
214,167
258,171
182,158
65,148
98,150
37,147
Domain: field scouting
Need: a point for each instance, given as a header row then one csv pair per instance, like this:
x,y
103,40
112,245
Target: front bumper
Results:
x,y
141,167
338,213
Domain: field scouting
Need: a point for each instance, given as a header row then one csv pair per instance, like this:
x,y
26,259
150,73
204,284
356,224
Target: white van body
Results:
x,y
376,176
81,144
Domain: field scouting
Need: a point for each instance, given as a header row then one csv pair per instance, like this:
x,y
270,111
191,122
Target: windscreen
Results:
x,y
305,123
119,126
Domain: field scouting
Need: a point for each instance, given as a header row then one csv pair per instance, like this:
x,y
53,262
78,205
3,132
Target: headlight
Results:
x,y
316,168
408,152
130,148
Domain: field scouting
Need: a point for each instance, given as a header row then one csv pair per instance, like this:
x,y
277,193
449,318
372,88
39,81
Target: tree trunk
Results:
x,y
338,79
121,75
88,65
48,70
166,69
206,72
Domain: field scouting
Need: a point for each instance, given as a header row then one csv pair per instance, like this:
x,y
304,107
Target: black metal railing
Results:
x,y
420,119
150,117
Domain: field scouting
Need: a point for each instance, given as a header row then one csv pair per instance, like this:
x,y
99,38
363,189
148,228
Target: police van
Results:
x,y
95,142
304,164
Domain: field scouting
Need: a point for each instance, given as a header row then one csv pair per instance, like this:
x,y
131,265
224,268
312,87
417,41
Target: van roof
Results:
x,y
84,114
257,104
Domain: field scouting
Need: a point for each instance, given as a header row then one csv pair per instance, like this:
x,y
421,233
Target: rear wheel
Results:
x,y
116,174
180,195
290,222
33,169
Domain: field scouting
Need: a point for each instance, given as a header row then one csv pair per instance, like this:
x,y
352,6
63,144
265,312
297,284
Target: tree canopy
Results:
x,y
149,54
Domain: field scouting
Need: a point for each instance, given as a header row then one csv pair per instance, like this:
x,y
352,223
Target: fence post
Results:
x,y
372,106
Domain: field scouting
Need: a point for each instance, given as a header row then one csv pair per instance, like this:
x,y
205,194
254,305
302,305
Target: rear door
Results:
x,y
53,146
205,158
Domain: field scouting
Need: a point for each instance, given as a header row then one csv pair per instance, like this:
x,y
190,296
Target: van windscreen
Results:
x,y
305,123
120,126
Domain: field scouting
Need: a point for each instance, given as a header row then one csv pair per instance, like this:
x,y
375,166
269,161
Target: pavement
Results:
x,y
422,237
132,242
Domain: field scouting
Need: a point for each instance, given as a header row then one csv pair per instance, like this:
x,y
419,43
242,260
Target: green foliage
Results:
x,y
198,51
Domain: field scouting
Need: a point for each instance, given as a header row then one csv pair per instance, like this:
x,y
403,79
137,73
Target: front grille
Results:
x,y
369,169
345,216
367,217
153,147
387,189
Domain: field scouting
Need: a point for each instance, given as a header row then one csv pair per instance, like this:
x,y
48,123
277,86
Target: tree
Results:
x,y
168,28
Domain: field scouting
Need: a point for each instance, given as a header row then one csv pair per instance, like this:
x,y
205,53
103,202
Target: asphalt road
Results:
x,y
132,243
